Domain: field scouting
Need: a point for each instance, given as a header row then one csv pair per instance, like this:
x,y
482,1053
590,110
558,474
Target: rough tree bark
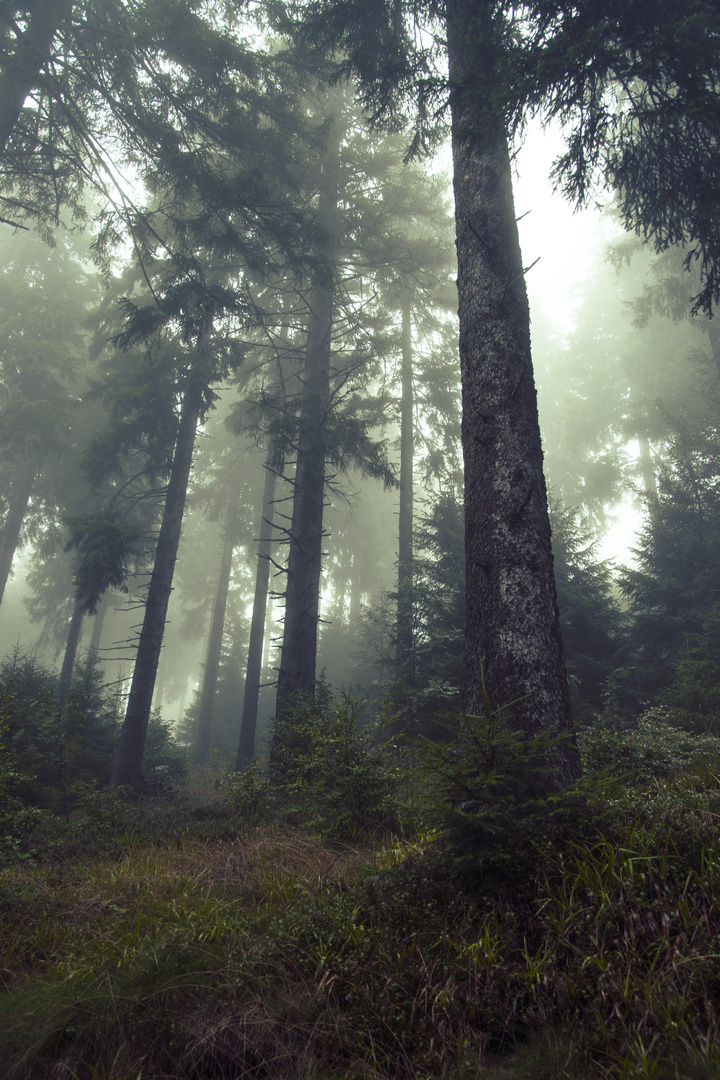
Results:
x,y
10,535
302,594
248,721
128,761
513,632
214,646
405,657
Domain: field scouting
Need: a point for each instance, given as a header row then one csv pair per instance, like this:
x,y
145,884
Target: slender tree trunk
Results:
x,y
98,623
713,326
302,592
405,524
646,465
248,722
513,638
71,649
214,647
10,535
183,698
128,762
356,592
160,682
269,624
20,69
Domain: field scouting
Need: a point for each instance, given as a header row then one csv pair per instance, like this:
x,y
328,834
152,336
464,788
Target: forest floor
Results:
x,y
222,952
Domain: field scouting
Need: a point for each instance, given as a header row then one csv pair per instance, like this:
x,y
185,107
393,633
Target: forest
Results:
x,y
336,740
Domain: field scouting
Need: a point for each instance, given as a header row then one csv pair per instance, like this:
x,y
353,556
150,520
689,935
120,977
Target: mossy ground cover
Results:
x,y
235,952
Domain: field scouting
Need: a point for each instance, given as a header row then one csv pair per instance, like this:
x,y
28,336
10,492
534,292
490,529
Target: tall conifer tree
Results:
x,y
563,59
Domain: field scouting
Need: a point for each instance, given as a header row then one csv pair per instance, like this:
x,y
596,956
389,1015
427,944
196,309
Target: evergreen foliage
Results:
x,y
105,550
594,629
18,820
652,746
673,593
493,809
593,626
55,748
331,771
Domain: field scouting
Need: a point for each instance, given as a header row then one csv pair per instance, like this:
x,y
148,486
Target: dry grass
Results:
x,y
276,955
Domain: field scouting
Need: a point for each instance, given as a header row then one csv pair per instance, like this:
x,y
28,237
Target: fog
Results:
x,y
100,352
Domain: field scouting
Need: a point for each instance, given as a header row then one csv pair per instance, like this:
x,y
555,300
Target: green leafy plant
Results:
x,y
251,793
649,748
18,822
332,772
494,806
336,773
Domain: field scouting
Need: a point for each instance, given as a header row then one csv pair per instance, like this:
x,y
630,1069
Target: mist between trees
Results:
x,y
269,410
329,745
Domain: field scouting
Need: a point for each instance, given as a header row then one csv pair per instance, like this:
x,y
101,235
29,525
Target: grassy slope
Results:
x,y
266,953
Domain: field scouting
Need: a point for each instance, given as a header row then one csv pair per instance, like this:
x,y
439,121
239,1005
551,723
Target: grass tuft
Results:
x,y
267,953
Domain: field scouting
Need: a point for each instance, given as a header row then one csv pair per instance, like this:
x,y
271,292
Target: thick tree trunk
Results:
x,y
405,657
71,649
302,592
10,535
128,761
22,66
214,647
513,636
248,722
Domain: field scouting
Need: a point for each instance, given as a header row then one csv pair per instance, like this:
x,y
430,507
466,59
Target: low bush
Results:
x,y
651,747
18,822
331,773
56,749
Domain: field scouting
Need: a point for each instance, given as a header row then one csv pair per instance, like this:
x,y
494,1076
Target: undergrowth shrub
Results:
x,y
18,822
493,803
651,747
332,772
57,748
251,794
278,956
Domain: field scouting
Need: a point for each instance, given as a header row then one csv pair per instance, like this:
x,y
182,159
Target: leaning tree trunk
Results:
x,y
214,647
405,658
248,722
71,649
302,592
128,761
10,534
513,637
